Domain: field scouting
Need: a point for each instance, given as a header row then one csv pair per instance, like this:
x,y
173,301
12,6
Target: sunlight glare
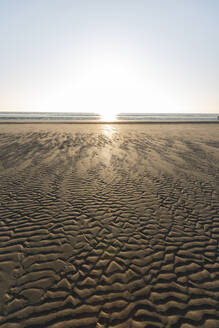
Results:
x,y
110,83
107,116
108,130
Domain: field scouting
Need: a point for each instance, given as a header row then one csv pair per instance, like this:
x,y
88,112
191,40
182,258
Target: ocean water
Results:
x,y
140,117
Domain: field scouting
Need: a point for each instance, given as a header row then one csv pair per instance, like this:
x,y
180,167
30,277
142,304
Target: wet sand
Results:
x,y
109,225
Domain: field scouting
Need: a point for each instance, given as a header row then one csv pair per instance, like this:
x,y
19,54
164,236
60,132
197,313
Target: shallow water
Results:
x,y
96,117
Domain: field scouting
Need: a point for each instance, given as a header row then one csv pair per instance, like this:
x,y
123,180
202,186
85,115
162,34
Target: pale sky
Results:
x,y
109,55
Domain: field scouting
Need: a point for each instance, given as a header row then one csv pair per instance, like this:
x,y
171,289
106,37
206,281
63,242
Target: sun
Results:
x,y
107,84
103,82
107,116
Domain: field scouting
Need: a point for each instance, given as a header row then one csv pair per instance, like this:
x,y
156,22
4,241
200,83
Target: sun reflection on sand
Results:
x,y
109,130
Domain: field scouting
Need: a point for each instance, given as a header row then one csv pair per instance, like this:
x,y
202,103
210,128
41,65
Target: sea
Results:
x,y
94,117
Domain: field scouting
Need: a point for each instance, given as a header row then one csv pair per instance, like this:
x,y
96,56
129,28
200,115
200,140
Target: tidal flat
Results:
x,y
109,225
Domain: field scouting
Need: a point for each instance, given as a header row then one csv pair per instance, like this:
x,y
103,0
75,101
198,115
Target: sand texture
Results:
x,y
109,225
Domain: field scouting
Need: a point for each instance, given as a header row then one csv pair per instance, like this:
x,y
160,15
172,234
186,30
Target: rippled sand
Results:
x,y
109,225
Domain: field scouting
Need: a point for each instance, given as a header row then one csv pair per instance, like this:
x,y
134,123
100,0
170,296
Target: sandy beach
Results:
x,y
109,225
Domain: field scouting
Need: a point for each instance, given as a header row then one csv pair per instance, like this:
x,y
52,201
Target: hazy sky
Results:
x,y
109,55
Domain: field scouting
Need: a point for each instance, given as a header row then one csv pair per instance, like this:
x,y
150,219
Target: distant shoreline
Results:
x,y
50,121
95,118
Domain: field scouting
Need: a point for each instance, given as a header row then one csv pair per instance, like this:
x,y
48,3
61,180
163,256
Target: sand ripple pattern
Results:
x,y
110,227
